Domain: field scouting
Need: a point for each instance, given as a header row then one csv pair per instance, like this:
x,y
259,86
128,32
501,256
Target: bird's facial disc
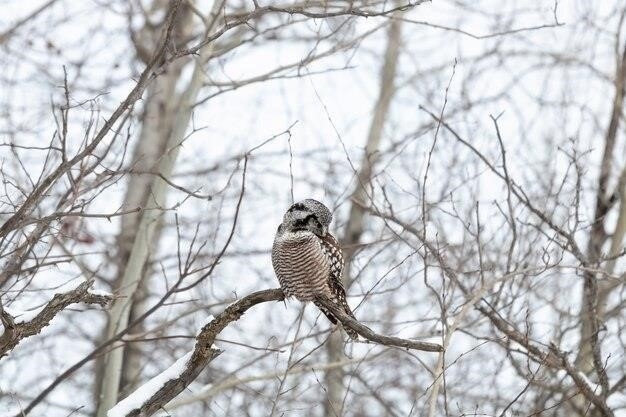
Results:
x,y
299,217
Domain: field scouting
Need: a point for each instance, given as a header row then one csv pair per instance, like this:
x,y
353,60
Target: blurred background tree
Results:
x,y
473,153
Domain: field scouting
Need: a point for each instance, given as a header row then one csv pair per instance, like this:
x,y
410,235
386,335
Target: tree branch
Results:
x,y
370,335
39,192
204,352
15,332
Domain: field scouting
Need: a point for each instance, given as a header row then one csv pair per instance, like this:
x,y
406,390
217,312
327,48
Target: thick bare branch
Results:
x,y
204,352
15,331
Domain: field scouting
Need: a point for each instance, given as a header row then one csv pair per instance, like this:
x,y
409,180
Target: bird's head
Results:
x,y
307,215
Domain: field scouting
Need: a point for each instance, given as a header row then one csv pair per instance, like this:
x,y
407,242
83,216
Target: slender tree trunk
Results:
x,y
147,230
156,126
598,235
596,292
334,378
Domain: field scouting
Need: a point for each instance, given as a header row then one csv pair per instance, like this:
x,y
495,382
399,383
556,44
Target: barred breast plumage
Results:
x,y
308,260
301,265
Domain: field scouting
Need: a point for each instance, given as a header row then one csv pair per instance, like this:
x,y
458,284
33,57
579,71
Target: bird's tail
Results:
x,y
346,308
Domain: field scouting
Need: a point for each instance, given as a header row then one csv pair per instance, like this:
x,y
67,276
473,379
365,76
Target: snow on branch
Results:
x,y
157,392
147,390
20,325
203,353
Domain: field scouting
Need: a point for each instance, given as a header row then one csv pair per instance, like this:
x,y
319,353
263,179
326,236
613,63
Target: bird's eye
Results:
x,y
313,221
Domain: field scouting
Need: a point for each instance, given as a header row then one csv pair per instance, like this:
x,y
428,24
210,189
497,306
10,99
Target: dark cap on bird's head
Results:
x,y
308,215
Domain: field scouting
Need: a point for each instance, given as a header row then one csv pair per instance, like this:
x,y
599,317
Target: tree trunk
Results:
x,y
147,224
156,126
333,378
596,292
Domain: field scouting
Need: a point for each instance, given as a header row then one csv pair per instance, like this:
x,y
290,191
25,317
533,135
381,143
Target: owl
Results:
x,y
308,260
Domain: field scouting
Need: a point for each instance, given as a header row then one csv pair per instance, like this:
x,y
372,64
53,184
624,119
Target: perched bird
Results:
x,y
308,260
